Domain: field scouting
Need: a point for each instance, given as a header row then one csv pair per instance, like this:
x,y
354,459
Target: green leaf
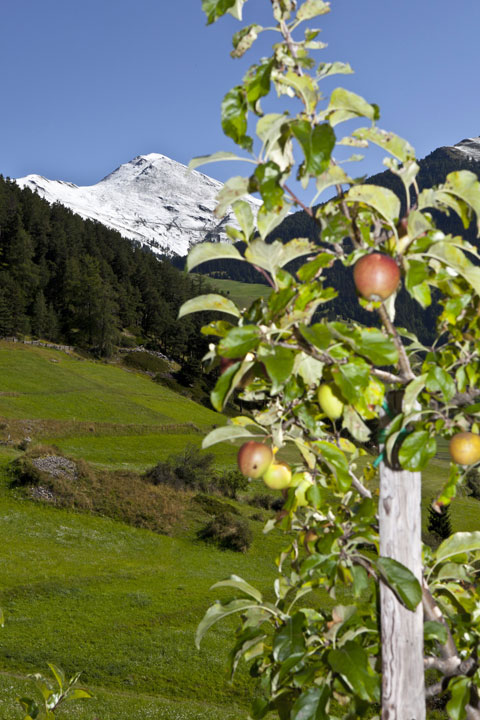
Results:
x,y
243,213
416,450
58,674
360,580
352,378
351,662
466,186
203,303
233,190
217,612
438,380
225,433
279,363
312,704
355,425
239,341
401,580
216,157
413,389
223,387
311,9
345,105
268,220
415,278
454,258
334,175
335,458
234,117
333,68
303,86
273,256
257,83
78,694
461,542
289,640
377,347
234,581
395,145
214,9
318,335
317,145
268,177
244,39
383,200
460,694
433,630
203,252
274,131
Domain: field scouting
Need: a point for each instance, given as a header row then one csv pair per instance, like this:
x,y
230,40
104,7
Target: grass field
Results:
x,y
93,594
243,294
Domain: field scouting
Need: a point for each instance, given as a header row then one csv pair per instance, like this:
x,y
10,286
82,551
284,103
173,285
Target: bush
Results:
x,y
212,506
473,484
231,483
228,532
145,361
45,475
189,470
267,502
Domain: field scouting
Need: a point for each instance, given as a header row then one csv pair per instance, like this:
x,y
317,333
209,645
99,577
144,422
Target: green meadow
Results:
x,y
121,603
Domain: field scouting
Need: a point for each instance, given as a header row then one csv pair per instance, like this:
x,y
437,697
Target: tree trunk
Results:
x,y
403,684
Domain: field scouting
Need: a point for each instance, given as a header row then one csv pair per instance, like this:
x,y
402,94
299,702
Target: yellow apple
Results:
x,y
254,459
464,448
330,401
277,476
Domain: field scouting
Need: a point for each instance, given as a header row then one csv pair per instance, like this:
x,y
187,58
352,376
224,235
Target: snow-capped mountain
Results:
x,y
152,199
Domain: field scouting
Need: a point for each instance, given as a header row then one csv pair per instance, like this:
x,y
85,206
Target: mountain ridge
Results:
x,y
151,199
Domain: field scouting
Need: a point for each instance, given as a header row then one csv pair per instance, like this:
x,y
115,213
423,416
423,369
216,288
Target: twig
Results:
x,y
402,355
266,276
359,486
298,202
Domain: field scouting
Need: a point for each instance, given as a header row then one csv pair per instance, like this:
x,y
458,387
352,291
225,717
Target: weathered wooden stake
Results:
x,y
403,684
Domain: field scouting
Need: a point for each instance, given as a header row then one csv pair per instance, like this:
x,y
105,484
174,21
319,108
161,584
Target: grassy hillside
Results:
x,y
94,594
104,414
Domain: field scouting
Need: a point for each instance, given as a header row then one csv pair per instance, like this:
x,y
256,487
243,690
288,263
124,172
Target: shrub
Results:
x,y
473,483
212,506
439,523
267,502
231,483
228,532
189,470
145,361
44,474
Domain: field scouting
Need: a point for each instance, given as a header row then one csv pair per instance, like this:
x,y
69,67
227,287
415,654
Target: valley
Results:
x,y
93,593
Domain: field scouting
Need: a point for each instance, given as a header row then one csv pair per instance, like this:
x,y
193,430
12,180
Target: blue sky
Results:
x,y
87,85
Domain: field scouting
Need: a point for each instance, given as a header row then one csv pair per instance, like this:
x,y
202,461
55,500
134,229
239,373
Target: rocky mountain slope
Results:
x,y
152,199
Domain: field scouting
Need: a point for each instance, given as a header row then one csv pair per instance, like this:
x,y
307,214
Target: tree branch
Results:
x,y
403,360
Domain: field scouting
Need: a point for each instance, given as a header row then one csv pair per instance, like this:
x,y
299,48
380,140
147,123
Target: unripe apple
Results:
x,y
254,459
376,276
301,490
464,448
277,476
330,401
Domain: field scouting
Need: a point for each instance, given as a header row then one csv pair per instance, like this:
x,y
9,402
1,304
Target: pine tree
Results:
x,y
439,523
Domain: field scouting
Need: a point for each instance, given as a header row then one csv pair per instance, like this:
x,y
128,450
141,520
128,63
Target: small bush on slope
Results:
x,y
44,474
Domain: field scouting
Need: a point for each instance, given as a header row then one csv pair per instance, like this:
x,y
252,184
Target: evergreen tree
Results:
x,y
439,523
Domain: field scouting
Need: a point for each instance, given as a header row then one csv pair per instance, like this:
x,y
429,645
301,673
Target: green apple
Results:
x,y
254,459
277,476
330,401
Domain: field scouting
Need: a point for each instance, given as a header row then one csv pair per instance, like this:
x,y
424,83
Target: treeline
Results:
x,y
74,281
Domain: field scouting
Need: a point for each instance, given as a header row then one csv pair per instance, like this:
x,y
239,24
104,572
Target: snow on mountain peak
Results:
x,y
151,199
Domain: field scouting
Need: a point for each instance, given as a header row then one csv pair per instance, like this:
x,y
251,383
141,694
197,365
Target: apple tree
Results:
x,y
327,387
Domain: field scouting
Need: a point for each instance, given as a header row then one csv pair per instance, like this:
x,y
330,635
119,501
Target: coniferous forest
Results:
x,y
74,281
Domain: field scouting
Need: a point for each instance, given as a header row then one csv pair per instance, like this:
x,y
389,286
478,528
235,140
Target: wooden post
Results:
x,y
403,683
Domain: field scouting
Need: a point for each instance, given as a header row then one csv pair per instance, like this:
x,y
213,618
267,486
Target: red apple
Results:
x,y
254,459
376,276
